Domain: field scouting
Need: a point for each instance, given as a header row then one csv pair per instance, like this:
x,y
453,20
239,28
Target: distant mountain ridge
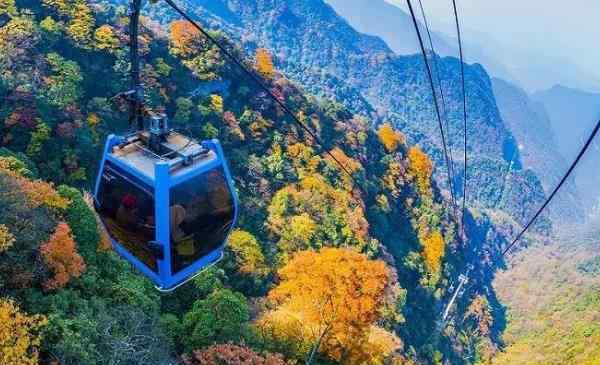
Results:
x,y
531,126
573,113
390,23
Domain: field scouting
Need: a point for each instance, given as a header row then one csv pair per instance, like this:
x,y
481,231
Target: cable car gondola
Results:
x,y
167,201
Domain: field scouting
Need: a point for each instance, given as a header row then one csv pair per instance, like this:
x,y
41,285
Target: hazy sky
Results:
x,y
566,31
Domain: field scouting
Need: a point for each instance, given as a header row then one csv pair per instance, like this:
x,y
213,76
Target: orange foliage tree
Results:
x,y
184,38
390,138
421,168
264,63
61,256
39,192
332,298
19,335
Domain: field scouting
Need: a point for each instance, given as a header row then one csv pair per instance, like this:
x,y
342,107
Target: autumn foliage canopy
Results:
x,y
60,254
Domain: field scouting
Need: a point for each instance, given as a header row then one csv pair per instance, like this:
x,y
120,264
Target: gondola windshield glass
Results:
x,y
201,215
126,206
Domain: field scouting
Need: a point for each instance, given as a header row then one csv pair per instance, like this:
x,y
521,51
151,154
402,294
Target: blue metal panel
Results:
x,y
198,170
161,201
219,150
111,141
132,170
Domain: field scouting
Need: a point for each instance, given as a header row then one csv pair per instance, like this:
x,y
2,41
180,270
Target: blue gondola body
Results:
x,y
160,178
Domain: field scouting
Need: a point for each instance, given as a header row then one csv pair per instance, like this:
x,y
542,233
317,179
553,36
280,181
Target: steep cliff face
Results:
x,y
539,147
314,46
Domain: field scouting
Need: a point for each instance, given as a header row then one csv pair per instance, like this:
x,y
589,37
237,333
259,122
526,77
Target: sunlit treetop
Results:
x,y
19,335
390,138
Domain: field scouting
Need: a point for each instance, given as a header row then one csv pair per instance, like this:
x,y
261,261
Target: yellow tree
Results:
x,y
421,168
433,251
390,138
336,296
264,63
19,335
106,38
247,254
6,238
81,23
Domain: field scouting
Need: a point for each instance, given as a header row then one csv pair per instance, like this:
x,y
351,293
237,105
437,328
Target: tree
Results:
x,y
8,7
81,24
200,56
313,214
232,355
82,221
245,254
60,254
63,87
219,318
433,251
19,335
39,192
106,39
6,238
39,136
421,168
216,103
390,138
480,312
336,296
264,63
184,38
51,27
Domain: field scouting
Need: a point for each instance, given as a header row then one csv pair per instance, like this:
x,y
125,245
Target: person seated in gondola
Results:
x,y
127,213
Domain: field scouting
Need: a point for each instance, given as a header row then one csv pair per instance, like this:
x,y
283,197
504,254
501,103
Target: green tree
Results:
x,y
82,221
221,317
63,86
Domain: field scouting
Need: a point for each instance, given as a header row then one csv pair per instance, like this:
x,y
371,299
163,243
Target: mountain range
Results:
x,y
320,50
572,114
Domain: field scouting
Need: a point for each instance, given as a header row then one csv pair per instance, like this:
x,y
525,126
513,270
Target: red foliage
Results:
x,y
23,116
232,355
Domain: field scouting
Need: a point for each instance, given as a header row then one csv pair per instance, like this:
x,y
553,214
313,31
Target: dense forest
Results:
x,y
323,267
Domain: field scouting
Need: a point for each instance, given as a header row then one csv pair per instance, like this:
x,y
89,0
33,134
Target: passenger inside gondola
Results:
x,y
201,215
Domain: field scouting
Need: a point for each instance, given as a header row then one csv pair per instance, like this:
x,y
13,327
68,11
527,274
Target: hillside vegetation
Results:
x,y
553,299
376,252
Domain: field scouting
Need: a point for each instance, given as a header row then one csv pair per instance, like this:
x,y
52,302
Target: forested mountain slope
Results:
x,y
380,249
317,48
555,320
539,148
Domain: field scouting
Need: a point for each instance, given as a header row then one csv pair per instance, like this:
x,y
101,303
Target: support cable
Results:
x,y
435,102
439,81
582,152
260,83
464,97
